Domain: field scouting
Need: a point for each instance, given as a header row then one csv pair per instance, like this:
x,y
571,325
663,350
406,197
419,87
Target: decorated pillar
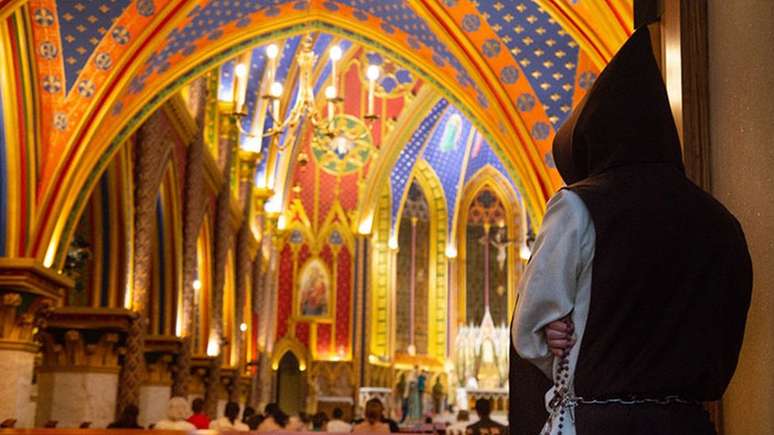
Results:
x,y
152,151
78,376
267,317
194,215
27,292
360,350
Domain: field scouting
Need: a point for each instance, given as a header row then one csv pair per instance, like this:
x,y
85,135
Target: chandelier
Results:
x,y
305,108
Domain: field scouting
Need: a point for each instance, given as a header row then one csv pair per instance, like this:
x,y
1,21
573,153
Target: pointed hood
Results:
x,y
624,119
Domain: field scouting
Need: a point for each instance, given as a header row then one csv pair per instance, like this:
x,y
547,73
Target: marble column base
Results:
x,y
16,367
153,403
73,397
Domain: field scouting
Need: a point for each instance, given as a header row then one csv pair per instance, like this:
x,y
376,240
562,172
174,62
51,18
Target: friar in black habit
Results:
x,y
631,312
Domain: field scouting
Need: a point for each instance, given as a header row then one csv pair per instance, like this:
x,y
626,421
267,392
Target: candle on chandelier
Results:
x,y
240,87
372,74
330,95
272,51
335,57
276,94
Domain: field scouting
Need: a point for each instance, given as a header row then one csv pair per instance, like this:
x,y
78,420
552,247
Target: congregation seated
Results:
x,y
230,420
199,419
485,425
337,424
177,415
373,418
320,422
251,418
127,419
274,419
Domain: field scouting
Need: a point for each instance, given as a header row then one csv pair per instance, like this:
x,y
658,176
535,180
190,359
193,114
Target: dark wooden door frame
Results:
x,y
682,29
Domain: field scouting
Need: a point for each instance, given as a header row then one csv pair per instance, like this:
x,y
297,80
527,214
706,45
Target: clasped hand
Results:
x,y
560,335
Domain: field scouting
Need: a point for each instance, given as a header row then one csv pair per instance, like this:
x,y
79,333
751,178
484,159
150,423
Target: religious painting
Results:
x,y
314,289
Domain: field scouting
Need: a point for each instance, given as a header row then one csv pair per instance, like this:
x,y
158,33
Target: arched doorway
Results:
x,y
291,385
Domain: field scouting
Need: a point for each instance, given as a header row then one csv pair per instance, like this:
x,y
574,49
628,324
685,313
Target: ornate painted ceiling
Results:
x,y
513,68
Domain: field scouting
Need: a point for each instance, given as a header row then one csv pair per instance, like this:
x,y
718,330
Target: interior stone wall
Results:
x,y
741,63
74,397
17,396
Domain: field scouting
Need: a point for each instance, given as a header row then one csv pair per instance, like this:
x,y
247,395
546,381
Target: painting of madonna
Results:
x,y
314,289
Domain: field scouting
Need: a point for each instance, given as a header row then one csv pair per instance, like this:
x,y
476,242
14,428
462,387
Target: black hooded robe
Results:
x,y
671,275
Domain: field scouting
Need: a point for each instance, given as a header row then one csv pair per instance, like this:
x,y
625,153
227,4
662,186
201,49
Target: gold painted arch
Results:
x,y
100,138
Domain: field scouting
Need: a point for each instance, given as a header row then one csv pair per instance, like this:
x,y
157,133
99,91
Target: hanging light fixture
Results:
x,y
324,122
305,108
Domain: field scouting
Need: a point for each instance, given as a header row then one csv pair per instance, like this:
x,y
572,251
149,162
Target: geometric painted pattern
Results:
x,y
404,166
398,14
446,152
82,25
547,54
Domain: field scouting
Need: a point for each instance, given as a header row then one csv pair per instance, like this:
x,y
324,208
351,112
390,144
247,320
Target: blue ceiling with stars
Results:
x,y
547,54
455,151
82,25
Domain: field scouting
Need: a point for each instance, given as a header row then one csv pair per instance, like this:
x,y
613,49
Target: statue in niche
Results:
x,y
401,395
414,397
439,395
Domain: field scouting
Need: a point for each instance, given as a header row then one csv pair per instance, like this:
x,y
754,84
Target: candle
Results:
x,y
372,74
240,87
276,94
272,51
335,57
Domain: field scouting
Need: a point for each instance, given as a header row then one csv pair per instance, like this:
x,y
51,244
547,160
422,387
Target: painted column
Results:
x,y
193,217
152,152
